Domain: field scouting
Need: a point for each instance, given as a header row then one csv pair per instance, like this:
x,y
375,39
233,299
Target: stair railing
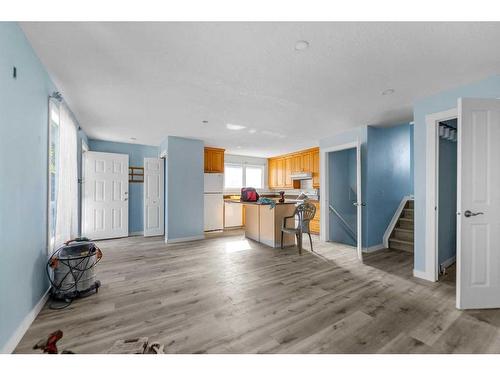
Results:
x,y
347,227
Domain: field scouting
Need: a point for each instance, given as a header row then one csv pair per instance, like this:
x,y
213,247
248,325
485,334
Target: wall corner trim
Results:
x,y
423,275
18,334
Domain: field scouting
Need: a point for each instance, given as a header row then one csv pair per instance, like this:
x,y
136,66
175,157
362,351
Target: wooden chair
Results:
x,y
305,213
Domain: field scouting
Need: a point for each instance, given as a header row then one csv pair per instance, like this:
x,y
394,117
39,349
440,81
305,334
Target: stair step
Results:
x,y
408,213
403,234
401,245
410,204
405,223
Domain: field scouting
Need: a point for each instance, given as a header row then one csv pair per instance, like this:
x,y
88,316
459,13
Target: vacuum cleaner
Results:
x,y
71,270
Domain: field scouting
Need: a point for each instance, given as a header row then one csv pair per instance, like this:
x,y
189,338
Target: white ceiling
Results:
x,y
150,80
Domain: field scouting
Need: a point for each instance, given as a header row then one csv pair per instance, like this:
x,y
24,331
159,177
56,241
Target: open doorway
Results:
x,y
341,197
446,170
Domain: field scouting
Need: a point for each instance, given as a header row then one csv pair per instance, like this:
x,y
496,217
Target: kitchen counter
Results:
x,y
263,223
257,203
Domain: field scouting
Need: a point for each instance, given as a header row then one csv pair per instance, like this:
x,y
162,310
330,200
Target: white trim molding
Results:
x,y
138,233
324,223
395,219
184,239
18,334
431,196
423,275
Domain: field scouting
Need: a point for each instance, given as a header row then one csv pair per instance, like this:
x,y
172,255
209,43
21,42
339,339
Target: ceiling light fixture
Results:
x,y
301,45
205,121
235,127
388,92
133,138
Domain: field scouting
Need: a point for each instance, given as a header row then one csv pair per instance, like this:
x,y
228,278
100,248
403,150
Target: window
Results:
x,y
233,176
237,176
62,176
254,176
53,167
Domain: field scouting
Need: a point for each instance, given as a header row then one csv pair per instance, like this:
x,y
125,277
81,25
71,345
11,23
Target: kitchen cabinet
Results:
x,y
280,168
314,224
280,172
214,160
288,173
315,168
306,162
272,174
297,163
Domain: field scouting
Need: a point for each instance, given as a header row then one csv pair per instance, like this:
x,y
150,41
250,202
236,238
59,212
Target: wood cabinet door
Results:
x,y
272,173
315,168
280,173
288,172
207,161
307,162
217,162
297,163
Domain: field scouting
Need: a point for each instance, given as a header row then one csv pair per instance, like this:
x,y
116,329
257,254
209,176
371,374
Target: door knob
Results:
x,y
468,213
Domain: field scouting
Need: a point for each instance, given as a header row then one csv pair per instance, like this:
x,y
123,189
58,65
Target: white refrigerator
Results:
x,y
214,201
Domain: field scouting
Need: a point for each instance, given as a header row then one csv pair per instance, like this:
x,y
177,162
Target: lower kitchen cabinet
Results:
x,y
314,224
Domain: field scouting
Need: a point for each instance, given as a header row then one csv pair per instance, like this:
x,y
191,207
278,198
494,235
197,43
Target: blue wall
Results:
x,y
488,88
23,179
389,176
342,178
136,154
360,135
184,188
447,224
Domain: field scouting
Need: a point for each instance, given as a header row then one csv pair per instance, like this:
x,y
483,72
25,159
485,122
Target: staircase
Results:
x,y
402,236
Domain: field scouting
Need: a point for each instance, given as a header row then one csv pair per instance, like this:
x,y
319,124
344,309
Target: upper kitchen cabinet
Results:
x,y
306,162
281,168
315,167
272,173
214,160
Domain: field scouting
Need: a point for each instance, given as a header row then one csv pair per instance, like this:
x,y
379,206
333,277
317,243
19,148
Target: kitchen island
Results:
x,y
263,223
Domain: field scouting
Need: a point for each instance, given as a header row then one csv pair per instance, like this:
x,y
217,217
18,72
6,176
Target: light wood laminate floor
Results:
x,y
226,294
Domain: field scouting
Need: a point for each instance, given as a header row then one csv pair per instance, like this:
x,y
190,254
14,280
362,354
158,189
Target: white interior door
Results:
x,y
105,197
478,204
153,197
359,202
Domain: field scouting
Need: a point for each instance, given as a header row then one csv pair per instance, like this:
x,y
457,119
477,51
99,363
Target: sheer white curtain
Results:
x,y
67,180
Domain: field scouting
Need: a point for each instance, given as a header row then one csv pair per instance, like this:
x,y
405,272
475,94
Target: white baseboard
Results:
x,y
373,248
18,334
185,239
423,275
139,233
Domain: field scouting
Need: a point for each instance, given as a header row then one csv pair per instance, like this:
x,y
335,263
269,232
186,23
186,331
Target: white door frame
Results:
x,y
432,121
324,202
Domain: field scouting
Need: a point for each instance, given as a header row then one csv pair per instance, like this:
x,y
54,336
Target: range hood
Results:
x,y
301,175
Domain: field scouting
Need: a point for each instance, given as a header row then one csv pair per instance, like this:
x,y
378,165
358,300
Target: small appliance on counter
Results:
x,y
282,196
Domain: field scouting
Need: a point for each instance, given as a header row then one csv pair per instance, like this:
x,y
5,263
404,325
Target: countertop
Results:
x,y
257,203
